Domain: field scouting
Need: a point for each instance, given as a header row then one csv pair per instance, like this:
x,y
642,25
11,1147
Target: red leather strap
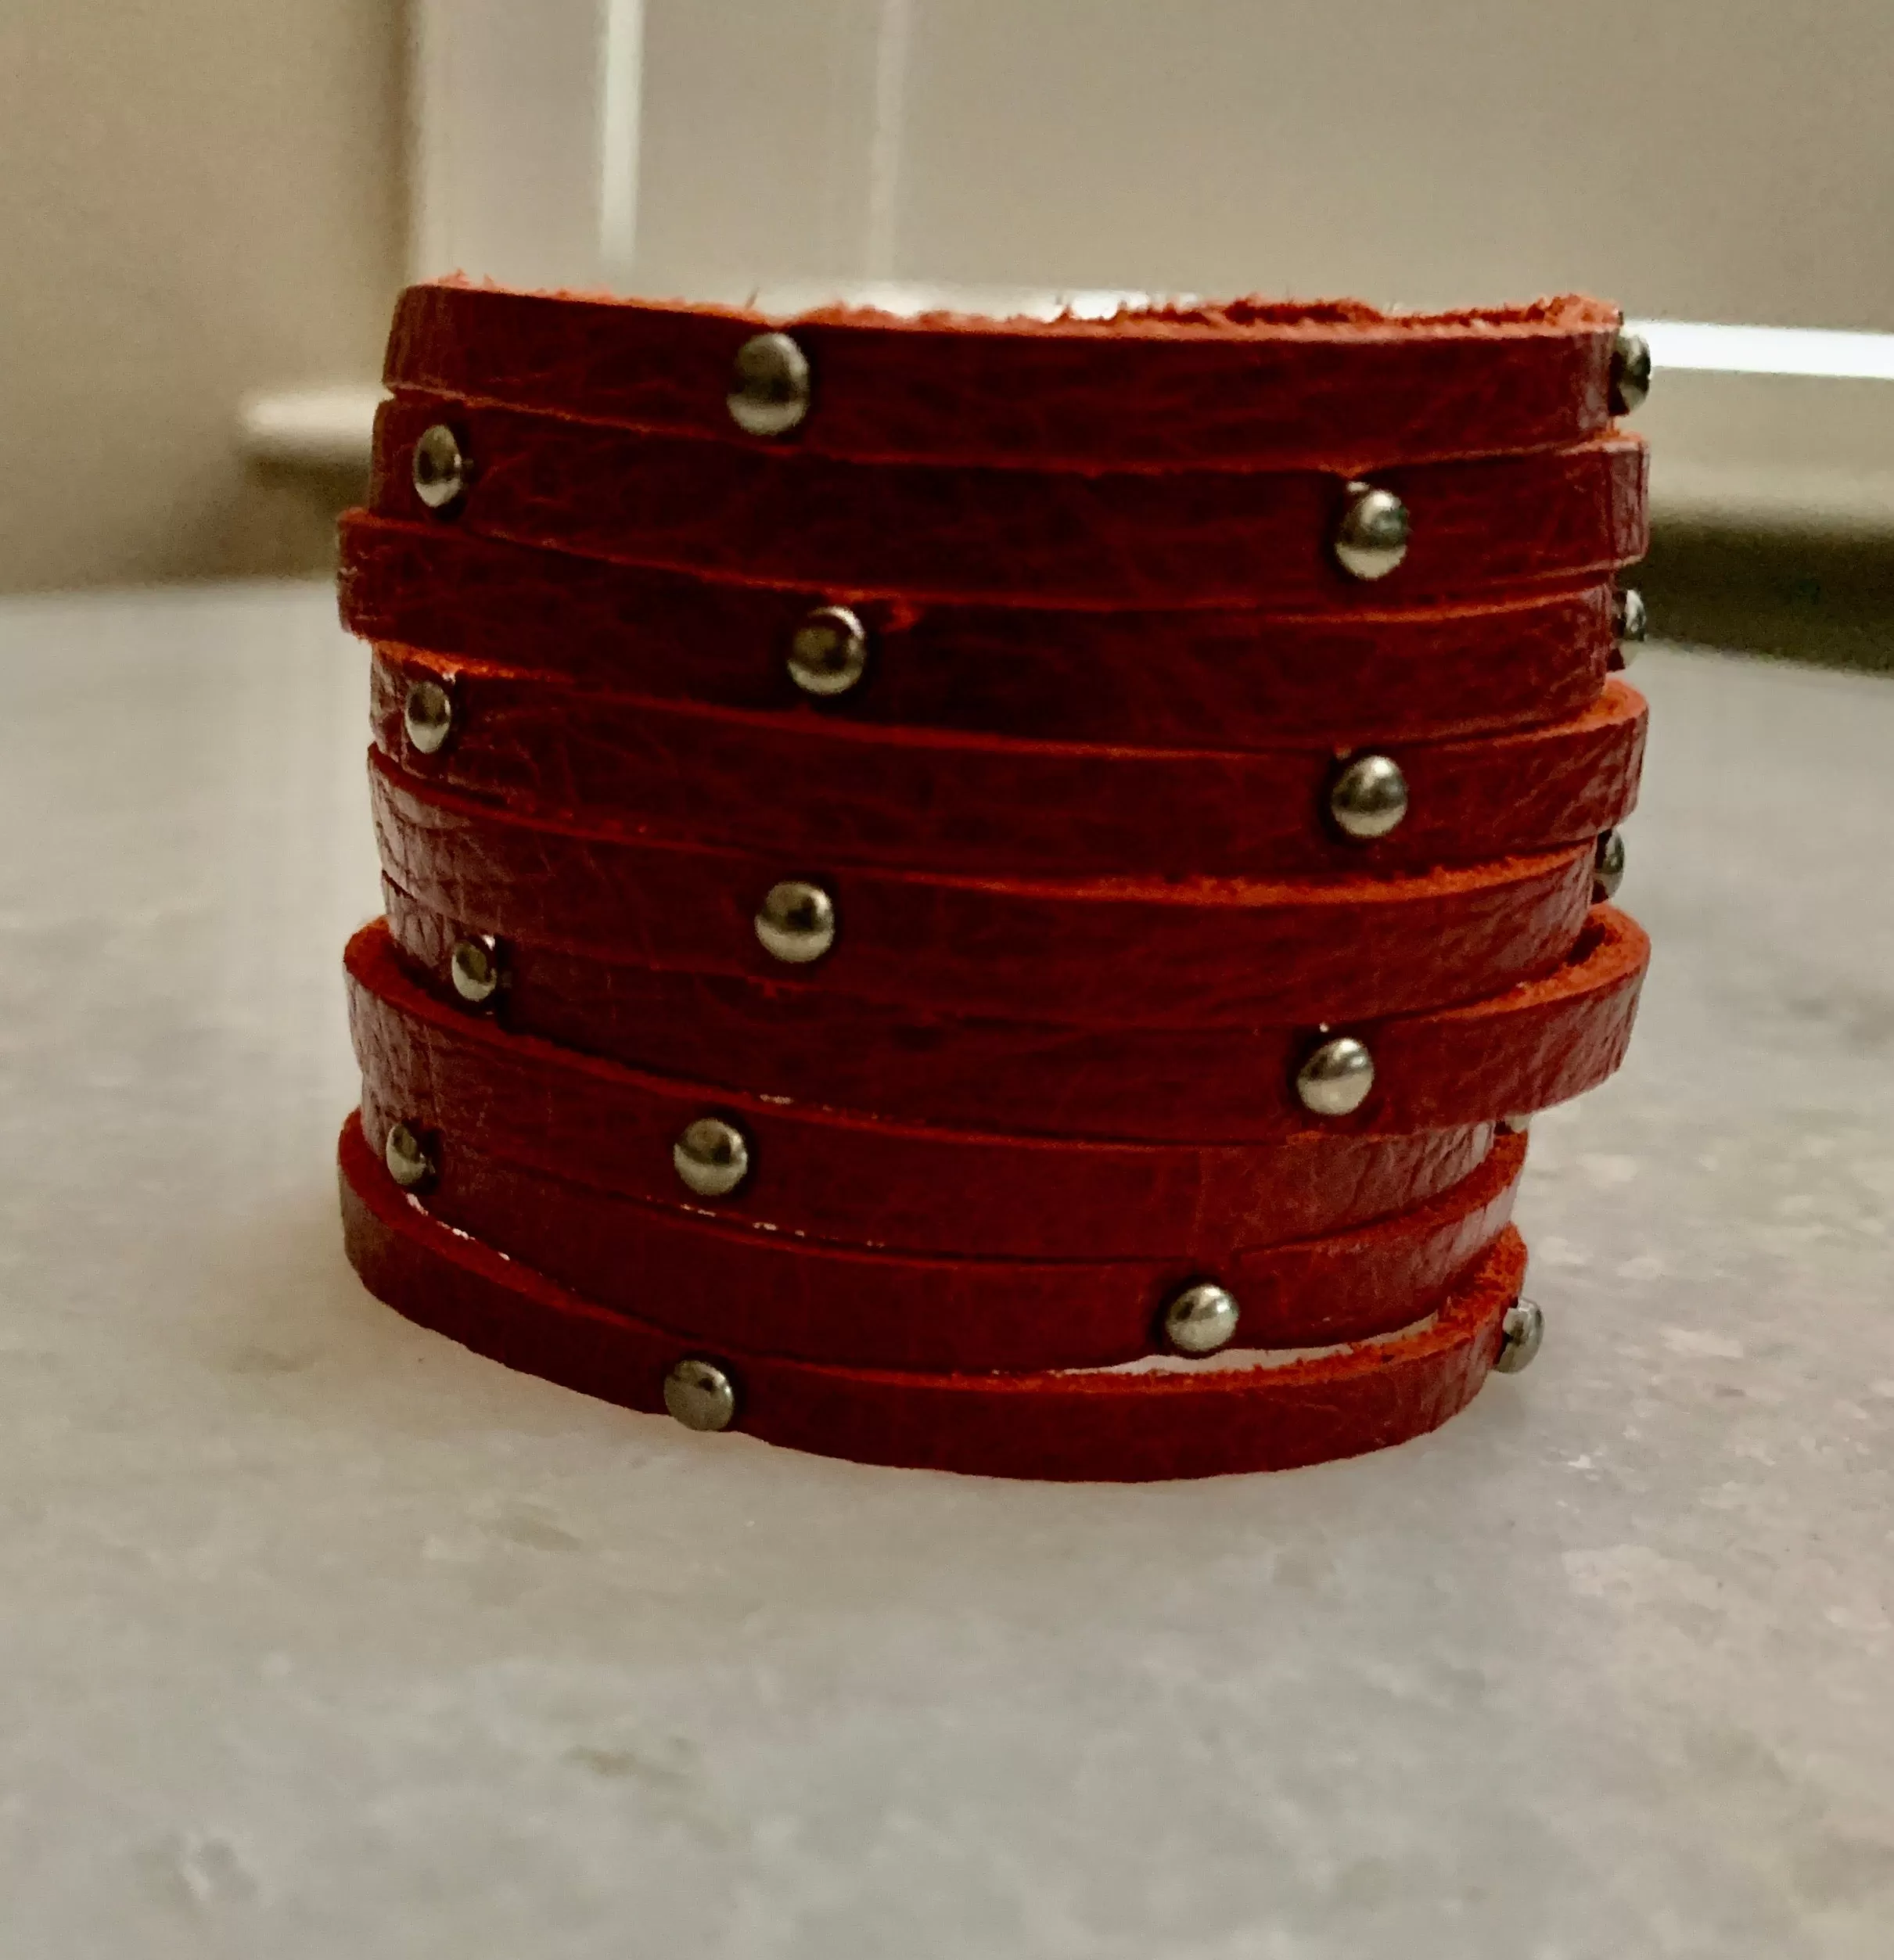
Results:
x,y
1194,952
1247,382
765,1291
1178,679
1176,538
1524,1048
826,1174
1111,1426
812,786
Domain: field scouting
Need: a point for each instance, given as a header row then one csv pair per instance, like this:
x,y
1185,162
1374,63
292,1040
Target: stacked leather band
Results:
x,y
990,894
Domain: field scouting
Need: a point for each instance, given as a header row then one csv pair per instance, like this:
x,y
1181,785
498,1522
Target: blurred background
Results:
x,y
210,210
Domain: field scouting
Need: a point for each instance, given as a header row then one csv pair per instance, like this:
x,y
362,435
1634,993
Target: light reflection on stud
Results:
x,y
829,652
410,1163
439,469
797,921
769,390
1369,797
1201,1319
700,1395
712,1157
1521,1333
1371,538
1335,1080
427,714
475,968
1607,867
1630,373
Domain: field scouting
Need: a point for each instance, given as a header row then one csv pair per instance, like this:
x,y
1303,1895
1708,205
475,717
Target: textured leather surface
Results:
x,y
1245,383
708,1280
1178,953
830,1175
1113,1426
1180,537
1524,1048
819,788
1161,678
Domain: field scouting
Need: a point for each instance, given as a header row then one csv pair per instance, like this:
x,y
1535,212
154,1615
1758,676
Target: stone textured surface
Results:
x,y
323,1636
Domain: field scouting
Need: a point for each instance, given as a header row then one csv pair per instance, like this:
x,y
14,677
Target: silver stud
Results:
x,y
440,468
1608,867
1371,538
1369,797
1521,1333
830,651
410,1162
769,391
475,968
1335,1080
1201,1319
797,921
428,716
1630,373
712,1157
700,1395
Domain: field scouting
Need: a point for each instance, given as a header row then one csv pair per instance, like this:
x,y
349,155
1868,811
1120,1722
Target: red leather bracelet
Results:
x,y
1113,1426
812,787
828,1174
1201,952
1527,1047
1176,538
1250,382
1183,679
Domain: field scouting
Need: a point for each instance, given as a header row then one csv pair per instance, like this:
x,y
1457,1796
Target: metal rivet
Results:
x,y
769,393
428,716
440,468
1335,1080
700,1395
1630,373
410,1162
830,651
476,969
1201,1319
1521,1333
1369,797
712,1157
797,921
1607,867
1371,538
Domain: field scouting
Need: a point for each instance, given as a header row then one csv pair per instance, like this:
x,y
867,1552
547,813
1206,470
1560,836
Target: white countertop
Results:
x,y
321,1637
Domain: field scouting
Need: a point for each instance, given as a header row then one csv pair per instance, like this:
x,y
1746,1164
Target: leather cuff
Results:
x,y
1113,1426
820,789
1486,526
1249,383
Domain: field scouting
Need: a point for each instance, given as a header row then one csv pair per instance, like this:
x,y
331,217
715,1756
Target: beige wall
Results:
x,y
201,198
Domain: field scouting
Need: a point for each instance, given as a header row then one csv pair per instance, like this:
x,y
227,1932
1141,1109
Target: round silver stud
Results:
x,y
1369,797
1521,1333
476,969
428,716
769,390
410,1162
440,468
1335,1080
700,1395
712,1157
1607,867
1371,538
1201,1319
797,921
829,652
1630,373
